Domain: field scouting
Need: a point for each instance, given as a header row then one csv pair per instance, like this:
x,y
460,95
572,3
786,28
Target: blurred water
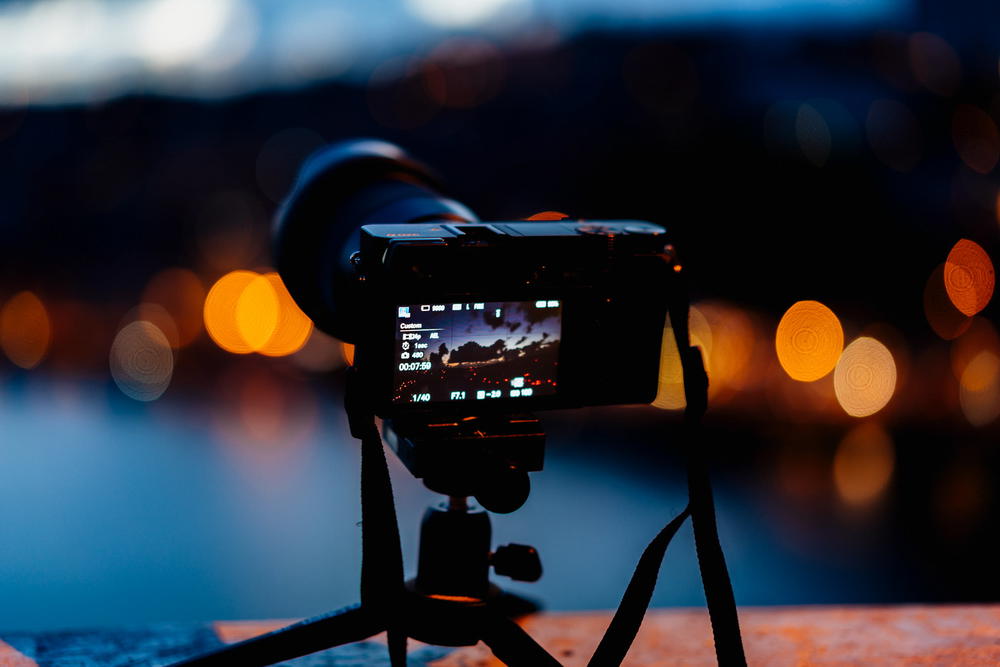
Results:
x,y
115,513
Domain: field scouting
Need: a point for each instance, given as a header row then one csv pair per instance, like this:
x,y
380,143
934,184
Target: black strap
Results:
x,y
701,507
711,562
381,553
627,619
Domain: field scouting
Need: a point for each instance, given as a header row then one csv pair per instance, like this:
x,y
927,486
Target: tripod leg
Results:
x,y
511,644
316,634
397,648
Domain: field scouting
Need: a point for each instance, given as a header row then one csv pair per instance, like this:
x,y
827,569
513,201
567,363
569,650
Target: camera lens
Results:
x,y
340,188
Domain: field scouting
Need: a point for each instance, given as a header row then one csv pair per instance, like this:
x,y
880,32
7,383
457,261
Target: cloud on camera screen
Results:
x,y
476,351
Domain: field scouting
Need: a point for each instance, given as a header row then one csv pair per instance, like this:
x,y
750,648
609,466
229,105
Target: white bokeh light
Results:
x,y
175,32
141,361
461,13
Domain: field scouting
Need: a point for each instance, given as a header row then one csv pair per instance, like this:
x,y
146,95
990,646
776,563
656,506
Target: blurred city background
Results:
x,y
172,446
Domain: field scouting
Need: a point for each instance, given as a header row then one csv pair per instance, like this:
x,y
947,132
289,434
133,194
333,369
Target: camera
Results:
x,y
460,327
453,316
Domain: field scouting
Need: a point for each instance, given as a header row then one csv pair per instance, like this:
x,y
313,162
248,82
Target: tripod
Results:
x,y
451,602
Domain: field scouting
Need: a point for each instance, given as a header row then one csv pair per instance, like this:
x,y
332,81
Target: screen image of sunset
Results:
x,y
476,351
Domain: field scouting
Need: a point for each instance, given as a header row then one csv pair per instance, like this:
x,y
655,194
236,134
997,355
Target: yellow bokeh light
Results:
x,y
25,330
292,328
863,464
808,341
670,390
257,313
969,277
220,310
865,378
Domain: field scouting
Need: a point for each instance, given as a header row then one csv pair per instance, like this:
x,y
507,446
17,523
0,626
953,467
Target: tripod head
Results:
x,y
488,458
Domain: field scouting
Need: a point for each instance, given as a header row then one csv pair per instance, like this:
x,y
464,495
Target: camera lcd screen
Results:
x,y
476,352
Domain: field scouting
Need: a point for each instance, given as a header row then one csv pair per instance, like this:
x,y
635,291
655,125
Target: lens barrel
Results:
x,y
340,188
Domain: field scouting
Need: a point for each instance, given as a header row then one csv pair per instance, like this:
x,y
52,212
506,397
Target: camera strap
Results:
x,y
711,561
381,553
701,508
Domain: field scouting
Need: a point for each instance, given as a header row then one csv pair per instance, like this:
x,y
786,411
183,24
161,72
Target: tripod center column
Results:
x,y
454,558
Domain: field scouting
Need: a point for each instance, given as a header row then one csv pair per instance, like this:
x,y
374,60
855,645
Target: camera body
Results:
x,y
457,318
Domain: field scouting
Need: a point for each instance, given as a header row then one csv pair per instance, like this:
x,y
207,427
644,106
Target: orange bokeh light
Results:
x,y
181,294
808,341
863,464
249,312
732,345
979,388
981,336
968,277
221,306
25,330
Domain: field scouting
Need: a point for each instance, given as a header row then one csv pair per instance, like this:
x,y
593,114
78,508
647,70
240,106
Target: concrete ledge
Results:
x,y
939,635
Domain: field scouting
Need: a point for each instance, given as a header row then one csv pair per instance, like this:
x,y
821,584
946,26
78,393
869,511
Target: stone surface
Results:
x,y
924,635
